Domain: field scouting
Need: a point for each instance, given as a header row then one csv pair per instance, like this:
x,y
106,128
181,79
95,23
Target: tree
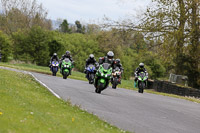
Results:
x,y
22,14
79,27
93,29
38,40
64,27
173,24
56,44
32,45
5,46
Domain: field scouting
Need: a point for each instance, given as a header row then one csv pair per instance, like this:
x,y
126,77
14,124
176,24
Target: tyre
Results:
x,y
99,88
91,81
64,76
54,71
115,81
91,78
141,87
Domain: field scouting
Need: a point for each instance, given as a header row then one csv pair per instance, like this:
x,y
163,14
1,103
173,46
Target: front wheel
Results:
x,y
64,76
99,88
115,82
141,87
91,78
54,73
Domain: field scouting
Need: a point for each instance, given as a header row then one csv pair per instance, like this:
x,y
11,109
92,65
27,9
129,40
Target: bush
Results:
x,y
158,70
5,46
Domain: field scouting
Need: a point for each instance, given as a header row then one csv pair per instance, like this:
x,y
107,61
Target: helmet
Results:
x,y
67,53
110,55
117,61
54,54
141,65
91,56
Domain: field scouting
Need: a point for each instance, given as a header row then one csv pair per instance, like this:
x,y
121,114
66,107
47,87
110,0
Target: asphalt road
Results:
x,y
127,109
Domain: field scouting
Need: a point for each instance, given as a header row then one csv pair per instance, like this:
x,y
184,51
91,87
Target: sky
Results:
x,y
91,11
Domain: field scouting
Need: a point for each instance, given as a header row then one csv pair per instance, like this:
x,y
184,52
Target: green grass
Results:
x,y
26,106
42,69
127,84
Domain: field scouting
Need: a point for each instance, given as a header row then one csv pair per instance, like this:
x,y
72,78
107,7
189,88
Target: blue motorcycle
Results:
x,y
90,71
54,67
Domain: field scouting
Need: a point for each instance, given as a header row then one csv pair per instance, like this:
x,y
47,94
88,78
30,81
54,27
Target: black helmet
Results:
x,y
91,56
67,53
118,61
110,55
54,54
141,65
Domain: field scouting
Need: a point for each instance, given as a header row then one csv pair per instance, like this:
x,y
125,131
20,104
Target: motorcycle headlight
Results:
x,y
145,78
106,75
101,74
65,65
140,78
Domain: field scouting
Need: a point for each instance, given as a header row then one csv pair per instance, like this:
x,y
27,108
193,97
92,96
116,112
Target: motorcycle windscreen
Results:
x,y
117,69
106,66
142,75
67,60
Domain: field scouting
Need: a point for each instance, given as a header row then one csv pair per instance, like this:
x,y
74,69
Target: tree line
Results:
x,y
166,39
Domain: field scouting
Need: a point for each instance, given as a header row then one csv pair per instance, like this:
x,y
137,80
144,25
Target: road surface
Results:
x,y
127,109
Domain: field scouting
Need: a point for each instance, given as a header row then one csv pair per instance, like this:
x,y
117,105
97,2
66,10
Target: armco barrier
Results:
x,y
167,87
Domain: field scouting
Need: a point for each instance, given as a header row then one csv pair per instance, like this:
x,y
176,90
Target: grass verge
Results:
x,y
26,106
127,84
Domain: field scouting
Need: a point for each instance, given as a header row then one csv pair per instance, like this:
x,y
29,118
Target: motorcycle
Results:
x,y
54,67
115,77
66,67
91,70
141,82
103,76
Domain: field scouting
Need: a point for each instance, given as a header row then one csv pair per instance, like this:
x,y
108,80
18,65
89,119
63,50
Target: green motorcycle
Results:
x,y
141,82
66,67
103,76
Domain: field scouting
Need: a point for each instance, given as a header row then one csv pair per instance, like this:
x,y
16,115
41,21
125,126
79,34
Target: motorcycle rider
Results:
x,y
119,65
90,60
109,58
139,69
66,55
53,58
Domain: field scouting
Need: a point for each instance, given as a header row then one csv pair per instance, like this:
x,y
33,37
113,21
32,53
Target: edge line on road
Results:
x,y
45,85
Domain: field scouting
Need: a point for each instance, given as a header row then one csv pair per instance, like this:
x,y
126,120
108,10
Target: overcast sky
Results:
x,y
93,10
